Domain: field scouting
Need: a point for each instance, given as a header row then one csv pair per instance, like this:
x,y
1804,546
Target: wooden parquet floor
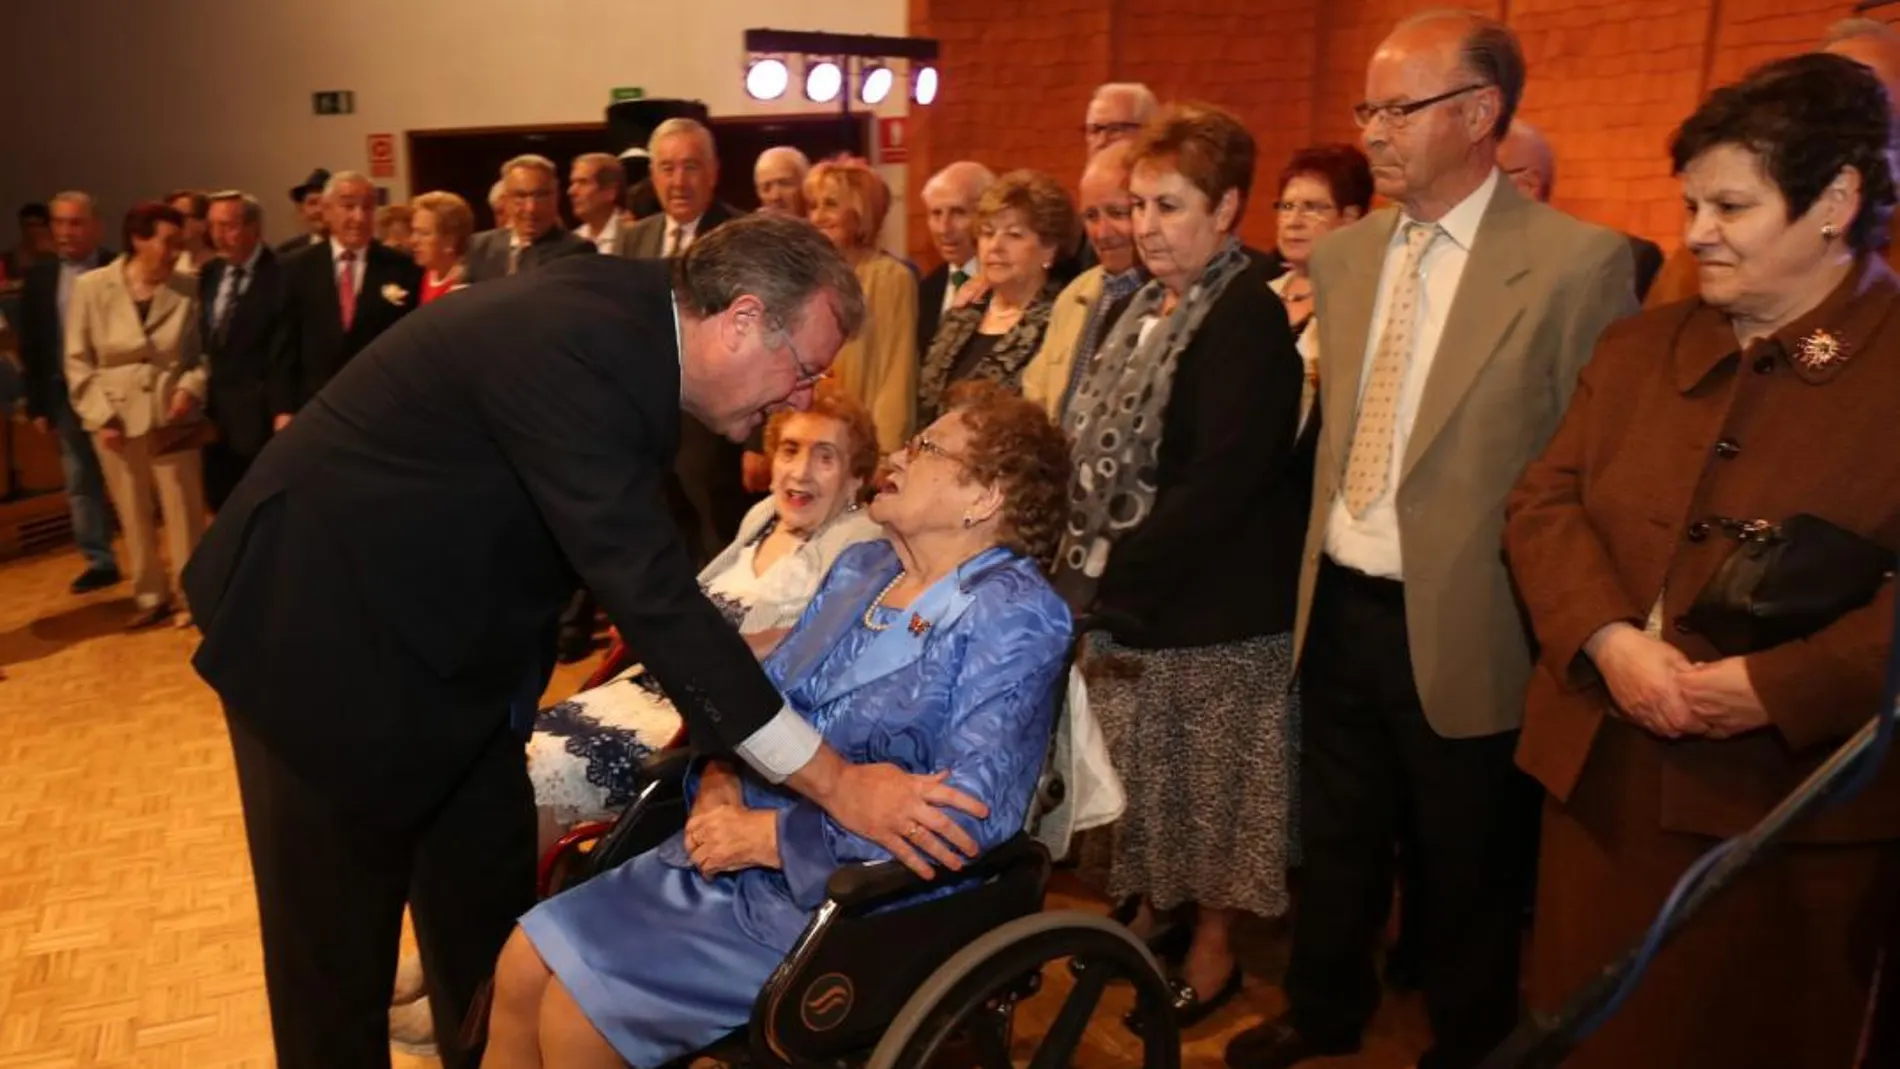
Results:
x,y
128,930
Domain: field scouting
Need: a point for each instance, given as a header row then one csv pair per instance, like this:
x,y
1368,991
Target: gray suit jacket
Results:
x,y
647,239
488,252
1538,288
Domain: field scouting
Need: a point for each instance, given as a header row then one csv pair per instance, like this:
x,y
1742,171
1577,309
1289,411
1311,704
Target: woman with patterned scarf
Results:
x,y
1186,522
1025,222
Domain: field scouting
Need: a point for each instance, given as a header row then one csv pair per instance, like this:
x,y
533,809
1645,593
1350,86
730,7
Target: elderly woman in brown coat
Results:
x,y
1656,735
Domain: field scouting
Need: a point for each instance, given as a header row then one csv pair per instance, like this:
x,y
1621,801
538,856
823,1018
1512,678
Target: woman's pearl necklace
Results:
x,y
870,612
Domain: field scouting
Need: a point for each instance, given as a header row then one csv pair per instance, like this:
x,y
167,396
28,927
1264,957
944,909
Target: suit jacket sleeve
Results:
x,y
42,345
585,451
1240,385
283,377
82,361
996,734
1607,293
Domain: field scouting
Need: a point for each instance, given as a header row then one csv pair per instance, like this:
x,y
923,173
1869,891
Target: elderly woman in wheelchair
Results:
x,y
938,650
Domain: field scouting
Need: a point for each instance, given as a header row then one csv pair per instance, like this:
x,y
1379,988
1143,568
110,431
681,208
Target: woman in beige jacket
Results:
x,y
136,374
878,367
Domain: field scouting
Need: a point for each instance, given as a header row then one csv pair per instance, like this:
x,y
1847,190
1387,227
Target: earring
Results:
x,y
1830,231
968,521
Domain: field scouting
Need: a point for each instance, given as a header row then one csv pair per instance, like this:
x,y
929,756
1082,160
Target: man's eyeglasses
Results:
x,y
806,376
1106,129
1397,115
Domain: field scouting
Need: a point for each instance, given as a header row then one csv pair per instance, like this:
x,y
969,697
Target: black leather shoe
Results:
x,y
151,617
1278,1045
1189,1009
96,579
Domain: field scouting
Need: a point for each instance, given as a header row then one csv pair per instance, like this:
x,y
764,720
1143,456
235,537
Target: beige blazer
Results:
x,y
1538,288
879,365
121,370
1046,377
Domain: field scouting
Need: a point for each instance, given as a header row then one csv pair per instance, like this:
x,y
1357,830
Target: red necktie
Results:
x,y
346,289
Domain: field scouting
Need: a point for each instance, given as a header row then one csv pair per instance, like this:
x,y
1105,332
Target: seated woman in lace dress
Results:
x,y
938,649
585,751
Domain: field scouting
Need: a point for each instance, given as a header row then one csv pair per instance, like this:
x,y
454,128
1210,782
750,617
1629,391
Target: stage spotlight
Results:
x,y
923,85
823,81
766,79
875,84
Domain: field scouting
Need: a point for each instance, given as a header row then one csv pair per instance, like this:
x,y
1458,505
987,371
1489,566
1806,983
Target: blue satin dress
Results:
x,y
665,962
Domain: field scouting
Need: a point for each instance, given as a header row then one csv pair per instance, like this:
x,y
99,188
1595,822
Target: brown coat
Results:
x,y
1670,426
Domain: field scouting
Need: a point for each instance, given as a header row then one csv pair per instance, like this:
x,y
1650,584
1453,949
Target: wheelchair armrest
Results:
x,y
668,766
858,889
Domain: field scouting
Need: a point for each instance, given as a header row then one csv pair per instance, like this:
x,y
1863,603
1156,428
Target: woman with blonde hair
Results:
x,y
440,225
848,202
393,227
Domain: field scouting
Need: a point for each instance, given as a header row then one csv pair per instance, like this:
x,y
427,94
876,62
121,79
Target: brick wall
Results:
x,y
1609,80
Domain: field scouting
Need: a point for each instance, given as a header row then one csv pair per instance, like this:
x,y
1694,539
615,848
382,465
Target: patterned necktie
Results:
x,y
221,330
675,236
346,289
1369,463
514,257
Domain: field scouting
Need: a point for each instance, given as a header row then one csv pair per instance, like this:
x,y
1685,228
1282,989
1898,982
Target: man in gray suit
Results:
x,y
533,192
685,173
1451,331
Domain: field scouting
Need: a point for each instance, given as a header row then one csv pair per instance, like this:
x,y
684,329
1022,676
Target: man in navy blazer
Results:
x,y
240,303
339,295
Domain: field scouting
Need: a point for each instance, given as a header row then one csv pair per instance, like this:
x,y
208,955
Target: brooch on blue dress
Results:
x,y
1820,350
918,625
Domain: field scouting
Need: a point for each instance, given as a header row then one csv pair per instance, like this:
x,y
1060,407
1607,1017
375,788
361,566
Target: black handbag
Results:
x,y
1785,581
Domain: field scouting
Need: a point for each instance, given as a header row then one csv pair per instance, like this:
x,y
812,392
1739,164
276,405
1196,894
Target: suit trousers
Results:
x,y
85,492
1374,774
330,896
136,476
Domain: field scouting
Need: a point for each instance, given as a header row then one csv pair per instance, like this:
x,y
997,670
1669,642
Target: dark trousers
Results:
x,y
1374,774
330,894
224,467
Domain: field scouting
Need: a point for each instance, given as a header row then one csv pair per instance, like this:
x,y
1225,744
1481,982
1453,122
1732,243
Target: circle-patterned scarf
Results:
x,y
1114,422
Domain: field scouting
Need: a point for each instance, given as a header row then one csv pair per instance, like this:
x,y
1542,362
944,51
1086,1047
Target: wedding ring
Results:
x,y
913,831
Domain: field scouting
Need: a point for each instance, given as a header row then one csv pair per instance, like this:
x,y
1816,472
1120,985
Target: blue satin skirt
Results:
x,y
662,961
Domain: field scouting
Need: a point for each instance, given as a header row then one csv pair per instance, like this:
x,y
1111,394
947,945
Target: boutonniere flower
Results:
x,y
395,294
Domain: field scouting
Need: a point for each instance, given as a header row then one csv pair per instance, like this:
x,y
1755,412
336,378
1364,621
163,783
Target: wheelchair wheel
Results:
x,y
965,1013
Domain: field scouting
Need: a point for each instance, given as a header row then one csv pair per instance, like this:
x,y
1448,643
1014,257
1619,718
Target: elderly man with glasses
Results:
x,y
1443,374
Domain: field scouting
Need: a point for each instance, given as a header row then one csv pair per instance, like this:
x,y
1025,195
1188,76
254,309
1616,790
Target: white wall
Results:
x,y
128,98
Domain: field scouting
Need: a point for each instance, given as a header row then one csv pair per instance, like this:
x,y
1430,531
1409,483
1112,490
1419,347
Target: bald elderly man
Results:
x,y
1527,160
1874,44
950,205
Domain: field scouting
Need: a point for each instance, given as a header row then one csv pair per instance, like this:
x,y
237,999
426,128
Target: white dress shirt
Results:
x,y
357,266
1370,543
787,741
608,237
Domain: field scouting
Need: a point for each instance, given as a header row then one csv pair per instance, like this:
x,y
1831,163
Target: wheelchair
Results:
x,y
882,983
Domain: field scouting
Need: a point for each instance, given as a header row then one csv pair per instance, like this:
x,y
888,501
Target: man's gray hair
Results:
x,y
971,175
1858,28
799,161
533,162
345,178
497,193
252,211
1490,53
1139,95
782,260
74,196
679,125
608,170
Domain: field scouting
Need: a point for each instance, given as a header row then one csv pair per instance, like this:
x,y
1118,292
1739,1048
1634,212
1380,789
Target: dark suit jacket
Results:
x,y
294,245
488,252
1230,486
648,238
708,492
1649,260
311,345
930,305
239,404
381,595
43,338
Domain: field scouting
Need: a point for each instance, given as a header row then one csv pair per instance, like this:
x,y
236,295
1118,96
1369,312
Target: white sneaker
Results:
x,y
412,1029
410,984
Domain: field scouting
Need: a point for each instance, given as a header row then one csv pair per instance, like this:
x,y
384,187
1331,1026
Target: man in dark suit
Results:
x,y
338,296
240,301
43,301
536,237
379,599
950,198
1529,163
308,197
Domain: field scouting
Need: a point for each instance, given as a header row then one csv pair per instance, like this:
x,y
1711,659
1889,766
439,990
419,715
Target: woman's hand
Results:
x,y
183,405
731,838
1644,677
1722,699
971,291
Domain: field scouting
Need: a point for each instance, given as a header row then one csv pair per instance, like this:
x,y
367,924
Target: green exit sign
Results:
x,y
333,102
629,92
